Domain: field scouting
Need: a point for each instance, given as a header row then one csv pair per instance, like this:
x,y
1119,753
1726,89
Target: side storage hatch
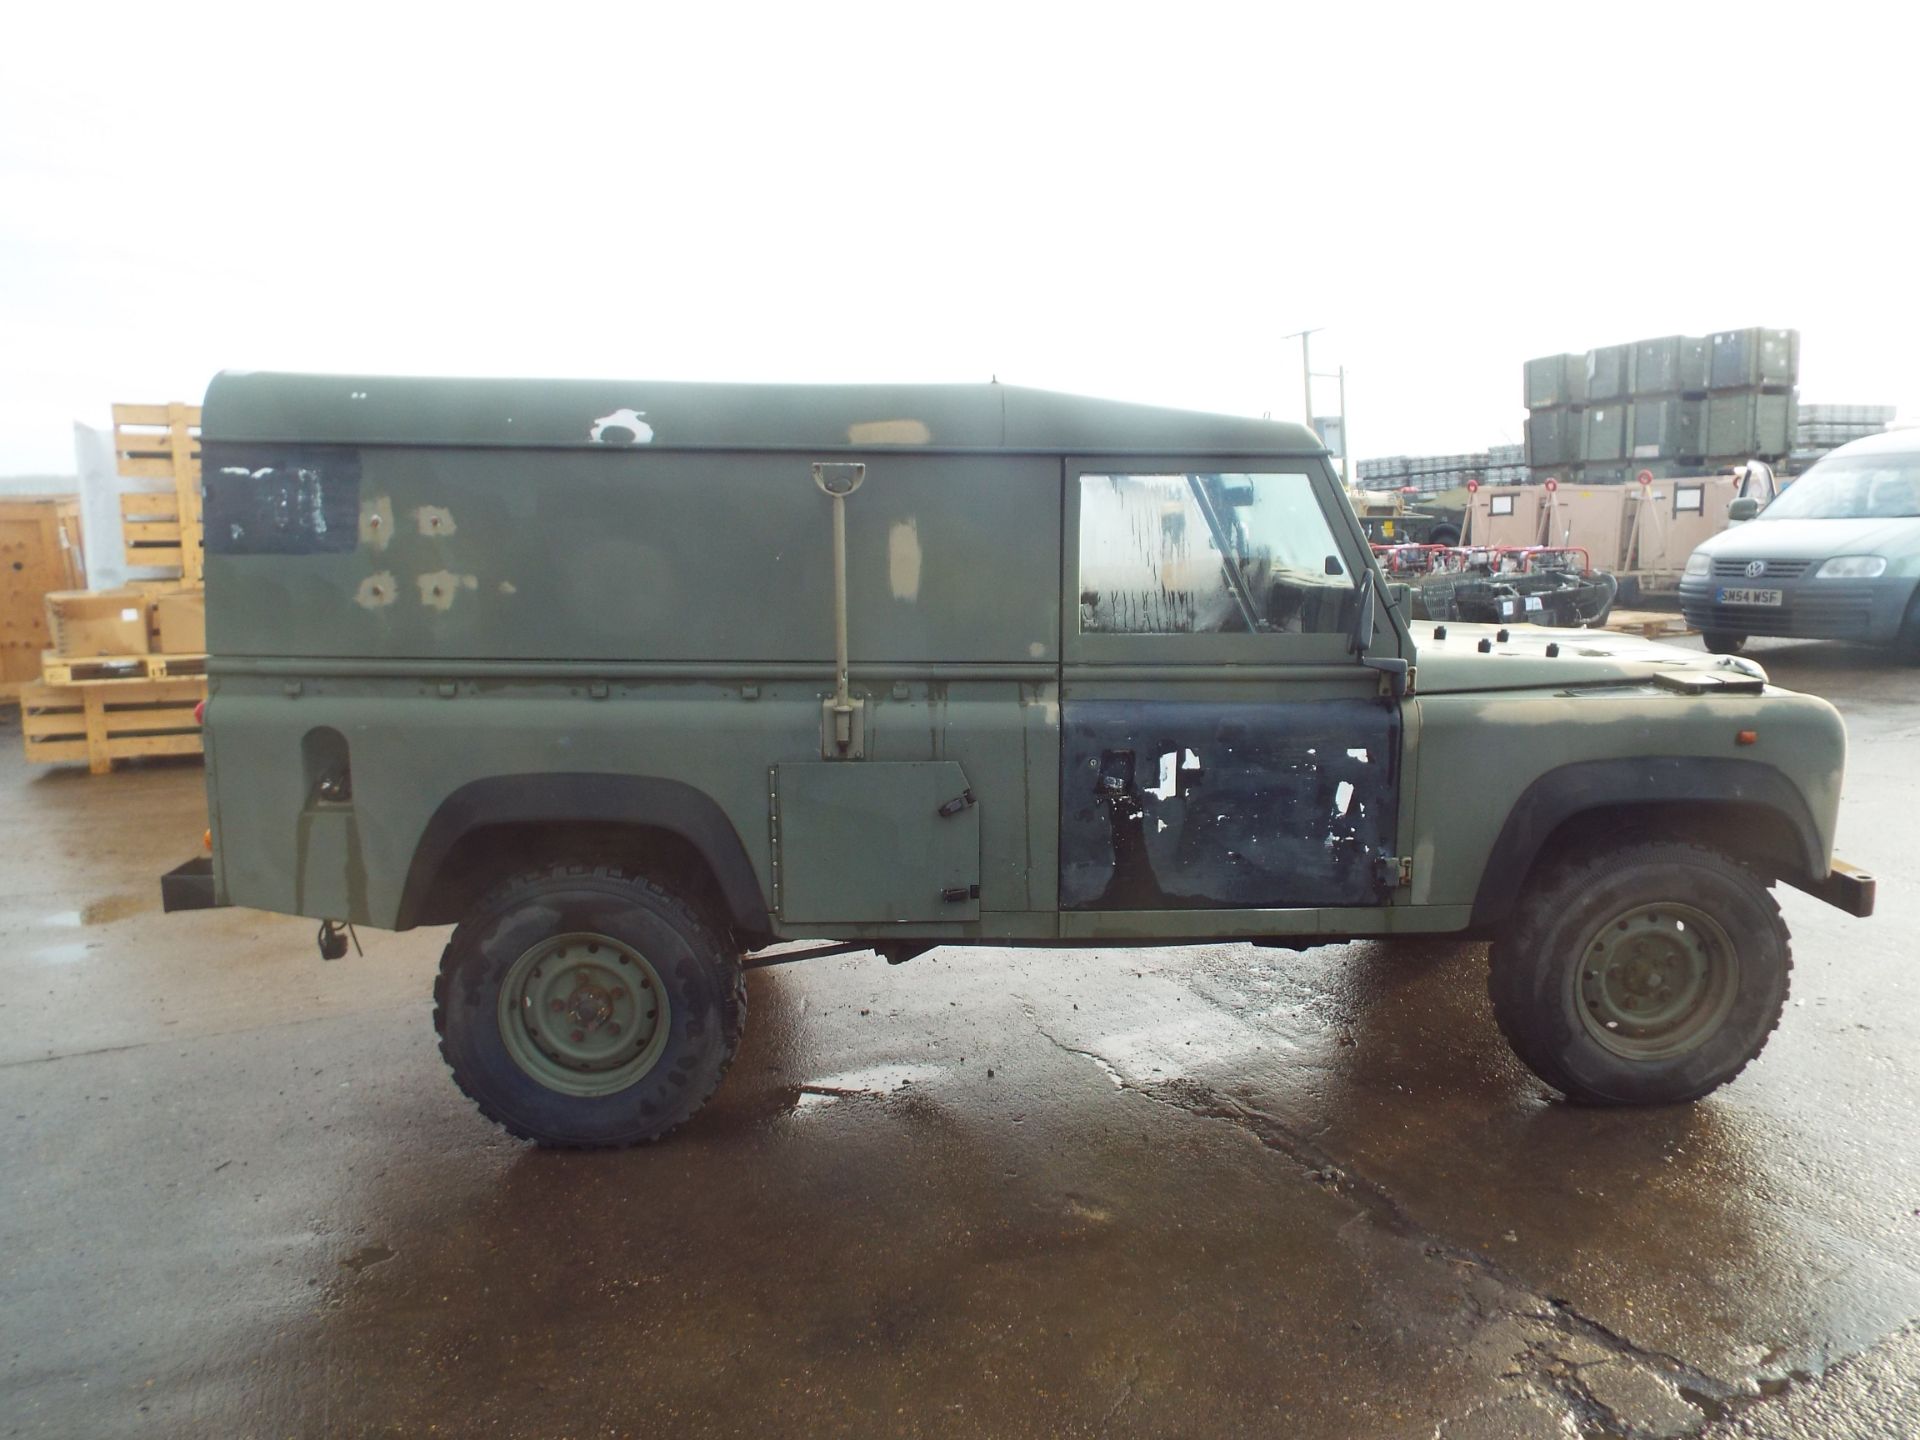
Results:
x,y
856,841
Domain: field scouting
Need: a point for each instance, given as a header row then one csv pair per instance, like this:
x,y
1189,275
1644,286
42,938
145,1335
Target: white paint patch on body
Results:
x,y
377,590
1169,785
376,522
903,559
1342,797
627,420
888,432
1190,761
434,520
1361,755
438,589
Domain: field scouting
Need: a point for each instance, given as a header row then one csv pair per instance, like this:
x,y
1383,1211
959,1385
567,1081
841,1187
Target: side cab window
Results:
x,y
1206,563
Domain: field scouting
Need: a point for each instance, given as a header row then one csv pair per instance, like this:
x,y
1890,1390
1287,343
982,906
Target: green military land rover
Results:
x,y
630,681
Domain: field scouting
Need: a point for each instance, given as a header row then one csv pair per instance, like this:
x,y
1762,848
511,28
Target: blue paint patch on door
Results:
x,y
1169,805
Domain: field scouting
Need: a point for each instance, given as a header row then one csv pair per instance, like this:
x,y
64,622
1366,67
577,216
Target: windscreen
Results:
x,y
1853,487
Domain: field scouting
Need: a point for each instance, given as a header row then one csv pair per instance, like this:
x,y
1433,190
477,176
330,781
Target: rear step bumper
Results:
x,y
1844,888
189,886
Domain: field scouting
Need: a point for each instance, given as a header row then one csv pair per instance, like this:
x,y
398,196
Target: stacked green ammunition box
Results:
x,y
1678,401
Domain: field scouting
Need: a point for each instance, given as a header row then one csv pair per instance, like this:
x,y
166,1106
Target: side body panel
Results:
x,y
513,612
413,746
1479,754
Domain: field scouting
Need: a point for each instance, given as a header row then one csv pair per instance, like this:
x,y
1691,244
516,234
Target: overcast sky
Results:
x,y
1129,201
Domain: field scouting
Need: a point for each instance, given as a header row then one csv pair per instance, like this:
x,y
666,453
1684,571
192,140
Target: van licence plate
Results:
x,y
1727,596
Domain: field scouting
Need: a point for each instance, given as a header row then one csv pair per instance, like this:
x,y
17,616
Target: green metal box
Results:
x,y
1746,424
1609,373
1671,365
1606,432
1667,428
1556,380
1743,359
1555,437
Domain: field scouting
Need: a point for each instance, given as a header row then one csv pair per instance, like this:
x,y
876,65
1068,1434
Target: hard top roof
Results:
x,y
675,415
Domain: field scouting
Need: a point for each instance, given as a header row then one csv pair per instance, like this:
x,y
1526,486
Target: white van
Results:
x,y
1836,557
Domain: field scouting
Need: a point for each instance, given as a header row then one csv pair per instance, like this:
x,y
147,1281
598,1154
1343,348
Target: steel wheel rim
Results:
x,y
583,1014
1656,981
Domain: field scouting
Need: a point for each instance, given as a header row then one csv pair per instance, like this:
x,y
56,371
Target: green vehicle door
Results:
x,y
1223,748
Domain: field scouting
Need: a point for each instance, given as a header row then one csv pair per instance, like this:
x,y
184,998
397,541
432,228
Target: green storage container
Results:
x,y
1606,432
1743,359
1696,364
1745,424
1656,366
1667,428
1556,380
1554,436
1671,365
1609,373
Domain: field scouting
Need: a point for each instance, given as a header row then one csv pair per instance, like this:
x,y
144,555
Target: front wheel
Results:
x,y
1722,642
581,1006
1648,974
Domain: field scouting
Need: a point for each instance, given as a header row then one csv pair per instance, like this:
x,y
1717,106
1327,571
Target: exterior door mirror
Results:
x,y
1745,508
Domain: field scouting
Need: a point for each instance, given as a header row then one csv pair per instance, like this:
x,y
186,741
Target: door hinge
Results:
x,y
1406,870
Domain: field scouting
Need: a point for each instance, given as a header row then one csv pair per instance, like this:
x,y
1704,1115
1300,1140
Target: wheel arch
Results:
x,y
1743,808
505,821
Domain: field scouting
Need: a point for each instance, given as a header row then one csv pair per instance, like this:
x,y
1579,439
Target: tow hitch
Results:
x,y
333,938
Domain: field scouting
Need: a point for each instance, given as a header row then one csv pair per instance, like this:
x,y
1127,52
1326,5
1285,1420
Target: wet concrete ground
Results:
x,y
1212,1191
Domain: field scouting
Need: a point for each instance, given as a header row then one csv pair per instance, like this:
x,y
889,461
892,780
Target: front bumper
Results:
x,y
189,886
1844,888
1869,611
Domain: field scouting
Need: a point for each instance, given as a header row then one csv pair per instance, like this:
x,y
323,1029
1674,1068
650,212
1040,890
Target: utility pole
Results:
x,y
1306,370
1306,396
1346,441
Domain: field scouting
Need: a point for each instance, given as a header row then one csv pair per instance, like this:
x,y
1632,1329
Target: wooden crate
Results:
x,y
85,623
97,724
1654,624
161,528
39,551
71,670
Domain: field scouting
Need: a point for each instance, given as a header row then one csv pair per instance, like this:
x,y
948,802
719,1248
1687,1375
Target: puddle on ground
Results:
x,y
99,912
112,908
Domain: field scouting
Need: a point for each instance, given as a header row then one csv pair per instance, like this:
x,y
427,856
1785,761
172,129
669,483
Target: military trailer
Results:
x,y
630,682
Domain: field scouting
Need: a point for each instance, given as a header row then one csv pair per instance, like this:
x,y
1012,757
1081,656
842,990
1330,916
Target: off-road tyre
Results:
x,y
1722,642
699,977
1540,981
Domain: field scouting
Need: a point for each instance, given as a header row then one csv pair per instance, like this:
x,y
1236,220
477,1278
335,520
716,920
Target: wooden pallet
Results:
x,y
115,669
96,725
1654,624
161,528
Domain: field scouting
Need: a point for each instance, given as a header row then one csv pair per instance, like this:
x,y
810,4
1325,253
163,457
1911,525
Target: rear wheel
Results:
x,y
1723,642
1647,974
582,1006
